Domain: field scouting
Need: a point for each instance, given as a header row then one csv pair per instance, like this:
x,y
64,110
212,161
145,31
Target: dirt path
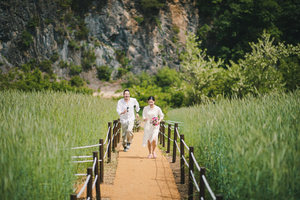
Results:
x,y
138,177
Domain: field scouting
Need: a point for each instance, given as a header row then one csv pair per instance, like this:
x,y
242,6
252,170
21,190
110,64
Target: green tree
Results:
x,y
167,77
76,81
227,26
104,72
200,70
262,67
27,39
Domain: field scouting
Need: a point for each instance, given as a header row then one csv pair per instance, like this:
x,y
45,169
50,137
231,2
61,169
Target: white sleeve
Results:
x,y
137,105
144,113
119,111
161,114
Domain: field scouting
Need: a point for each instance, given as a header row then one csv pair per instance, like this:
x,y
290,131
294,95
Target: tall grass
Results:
x,y
36,132
250,147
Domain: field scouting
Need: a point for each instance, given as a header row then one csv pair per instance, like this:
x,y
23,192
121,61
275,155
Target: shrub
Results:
x,y
27,39
72,44
45,66
55,56
121,72
60,40
104,72
157,22
139,19
1,63
177,99
86,64
73,25
89,57
149,4
167,77
63,64
60,31
68,17
48,21
176,29
75,69
175,39
83,31
33,22
76,81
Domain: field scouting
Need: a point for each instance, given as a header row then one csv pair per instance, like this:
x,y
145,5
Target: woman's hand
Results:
x,y
145,119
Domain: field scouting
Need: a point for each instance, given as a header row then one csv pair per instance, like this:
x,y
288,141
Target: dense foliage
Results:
x,y
250,147
227,26
166,86
29,78
267,68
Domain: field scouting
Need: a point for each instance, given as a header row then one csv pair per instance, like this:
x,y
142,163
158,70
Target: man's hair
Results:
x,y
126,90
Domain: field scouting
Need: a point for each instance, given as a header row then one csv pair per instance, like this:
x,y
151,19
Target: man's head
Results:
x,y
126,94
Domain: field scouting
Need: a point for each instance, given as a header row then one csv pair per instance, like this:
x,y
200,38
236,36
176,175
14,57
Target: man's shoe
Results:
x,y
125,149
128,145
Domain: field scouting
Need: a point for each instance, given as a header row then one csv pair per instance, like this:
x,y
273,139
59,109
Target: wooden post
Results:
x,y
163,134
191,168
159,133
115,142
202,186
219,197
119,128
73,196
109,144
96,173
134,126
90,183
102,161
174,144
181,159
169,138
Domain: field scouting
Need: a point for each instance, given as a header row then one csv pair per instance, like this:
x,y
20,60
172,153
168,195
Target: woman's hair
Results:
x,y
151,98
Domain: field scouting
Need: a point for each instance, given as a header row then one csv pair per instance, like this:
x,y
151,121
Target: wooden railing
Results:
x,y
203,184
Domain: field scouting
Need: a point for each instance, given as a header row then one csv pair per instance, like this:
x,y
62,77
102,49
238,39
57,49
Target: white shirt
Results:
x,y
129,116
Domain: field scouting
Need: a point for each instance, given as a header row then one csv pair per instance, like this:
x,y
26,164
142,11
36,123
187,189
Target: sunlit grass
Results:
x,y
36,132
250,147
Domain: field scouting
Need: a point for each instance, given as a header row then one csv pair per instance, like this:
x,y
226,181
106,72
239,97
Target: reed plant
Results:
x,y
37,130
250,147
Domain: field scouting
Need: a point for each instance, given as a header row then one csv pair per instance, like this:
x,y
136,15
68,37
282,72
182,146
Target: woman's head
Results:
x,y
151,100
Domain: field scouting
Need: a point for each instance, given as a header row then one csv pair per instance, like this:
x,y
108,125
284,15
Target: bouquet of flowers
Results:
x,y
154,121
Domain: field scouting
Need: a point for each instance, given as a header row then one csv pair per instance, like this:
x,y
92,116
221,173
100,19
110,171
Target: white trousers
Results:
x,y
127,133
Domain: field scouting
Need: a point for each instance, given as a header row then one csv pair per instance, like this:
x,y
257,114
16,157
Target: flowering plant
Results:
x,y
154,121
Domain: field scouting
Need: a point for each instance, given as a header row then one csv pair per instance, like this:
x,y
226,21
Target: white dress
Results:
x,y
150,131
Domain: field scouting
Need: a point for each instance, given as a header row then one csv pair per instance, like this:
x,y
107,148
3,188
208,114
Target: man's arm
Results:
x,y
119,111
137,108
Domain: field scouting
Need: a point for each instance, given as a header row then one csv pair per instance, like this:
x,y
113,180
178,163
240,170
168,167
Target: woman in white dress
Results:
x,y
150,130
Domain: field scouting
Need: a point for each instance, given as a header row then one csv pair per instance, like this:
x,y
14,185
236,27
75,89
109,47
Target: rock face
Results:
x,y
154,41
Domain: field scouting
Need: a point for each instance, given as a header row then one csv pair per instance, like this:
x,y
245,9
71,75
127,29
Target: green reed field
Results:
x,y
250,147
36,132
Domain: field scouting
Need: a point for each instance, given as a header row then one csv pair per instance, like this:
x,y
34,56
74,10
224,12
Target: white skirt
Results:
x,y
150,133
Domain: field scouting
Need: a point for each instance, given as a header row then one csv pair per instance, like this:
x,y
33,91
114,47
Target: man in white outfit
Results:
x,y
125,109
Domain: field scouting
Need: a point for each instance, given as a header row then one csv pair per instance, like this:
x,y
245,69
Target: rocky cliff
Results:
x,y
115,30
